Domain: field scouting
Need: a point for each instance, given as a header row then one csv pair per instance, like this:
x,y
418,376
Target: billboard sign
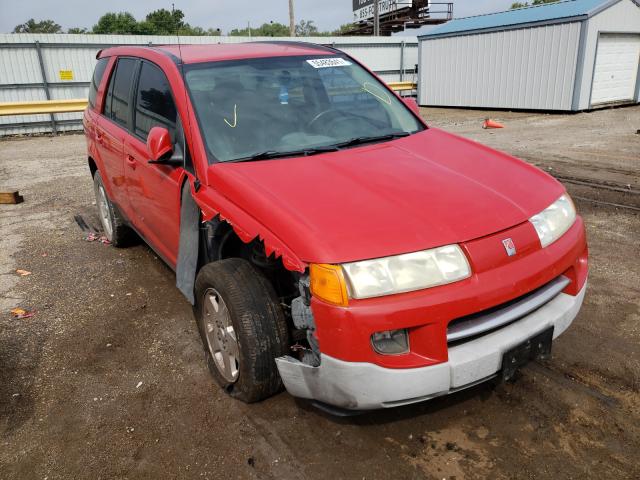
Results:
x,y
363,9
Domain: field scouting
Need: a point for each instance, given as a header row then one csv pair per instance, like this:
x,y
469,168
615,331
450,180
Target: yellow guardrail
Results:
x,y
400,86
43,106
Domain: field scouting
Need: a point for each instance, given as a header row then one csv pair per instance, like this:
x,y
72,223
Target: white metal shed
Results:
x,y
570,55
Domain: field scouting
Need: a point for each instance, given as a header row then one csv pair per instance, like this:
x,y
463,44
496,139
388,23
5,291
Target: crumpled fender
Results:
x,y
245,226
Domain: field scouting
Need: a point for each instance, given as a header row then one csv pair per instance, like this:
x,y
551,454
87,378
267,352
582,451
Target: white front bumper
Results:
x,y
364,386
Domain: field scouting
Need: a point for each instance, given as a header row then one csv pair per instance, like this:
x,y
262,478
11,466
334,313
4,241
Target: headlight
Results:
x,y
405,273
553,221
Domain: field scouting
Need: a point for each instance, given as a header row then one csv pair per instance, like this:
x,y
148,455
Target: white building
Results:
x,y
570,55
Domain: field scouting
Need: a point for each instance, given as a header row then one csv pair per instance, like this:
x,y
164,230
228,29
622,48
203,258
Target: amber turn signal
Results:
x,y
328,284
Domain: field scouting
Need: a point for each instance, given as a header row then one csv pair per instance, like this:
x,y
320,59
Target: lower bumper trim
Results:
x,y
366,386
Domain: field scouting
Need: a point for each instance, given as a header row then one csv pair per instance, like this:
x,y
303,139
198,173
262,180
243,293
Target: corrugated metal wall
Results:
x,y
527,68
21,75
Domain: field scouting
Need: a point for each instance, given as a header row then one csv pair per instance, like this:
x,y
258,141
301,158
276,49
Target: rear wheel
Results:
x,y
113,224
243,328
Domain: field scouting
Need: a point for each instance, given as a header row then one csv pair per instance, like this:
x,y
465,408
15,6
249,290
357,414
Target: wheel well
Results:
x,y
92,166
219,241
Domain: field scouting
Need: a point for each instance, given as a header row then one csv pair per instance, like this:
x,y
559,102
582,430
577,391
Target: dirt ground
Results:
x,y
107,380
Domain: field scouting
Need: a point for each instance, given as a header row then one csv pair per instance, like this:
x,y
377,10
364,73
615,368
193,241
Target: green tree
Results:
x,y
164,22
78,30
43,26
239,32
527,4
158,22
342,30
198,31
306,28
121,23
194,31
265,30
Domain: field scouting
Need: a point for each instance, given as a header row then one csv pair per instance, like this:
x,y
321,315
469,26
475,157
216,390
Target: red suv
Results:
x,y
328,239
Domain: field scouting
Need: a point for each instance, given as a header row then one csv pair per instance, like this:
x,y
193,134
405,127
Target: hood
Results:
x,y
422,191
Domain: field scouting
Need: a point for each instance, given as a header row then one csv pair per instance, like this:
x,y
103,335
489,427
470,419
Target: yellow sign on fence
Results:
x,y
66,74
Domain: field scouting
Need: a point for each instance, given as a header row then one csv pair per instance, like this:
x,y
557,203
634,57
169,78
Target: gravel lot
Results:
x,y
107,379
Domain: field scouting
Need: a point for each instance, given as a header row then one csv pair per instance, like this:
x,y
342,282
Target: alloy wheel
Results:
x,y
105,217
221,336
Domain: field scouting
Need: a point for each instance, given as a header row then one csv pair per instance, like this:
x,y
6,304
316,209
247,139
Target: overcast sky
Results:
x,y
224,14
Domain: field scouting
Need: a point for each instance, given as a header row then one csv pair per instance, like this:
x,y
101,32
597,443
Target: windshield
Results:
x,y
265,107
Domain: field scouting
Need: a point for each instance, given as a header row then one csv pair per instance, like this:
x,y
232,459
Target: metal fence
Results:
x,y
59,66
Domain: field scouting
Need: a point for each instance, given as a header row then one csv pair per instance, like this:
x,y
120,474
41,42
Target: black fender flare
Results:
x,y
188,246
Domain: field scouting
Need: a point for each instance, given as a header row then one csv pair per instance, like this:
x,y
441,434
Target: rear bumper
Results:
x,y
364,386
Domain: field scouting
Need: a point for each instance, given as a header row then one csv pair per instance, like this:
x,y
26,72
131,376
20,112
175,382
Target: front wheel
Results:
x,y
242,326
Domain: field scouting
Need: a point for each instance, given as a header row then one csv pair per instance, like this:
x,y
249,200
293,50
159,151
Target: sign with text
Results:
x,y
363,9
328,62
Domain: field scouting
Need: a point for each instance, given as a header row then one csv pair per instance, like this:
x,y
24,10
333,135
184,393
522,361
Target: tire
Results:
x,y
113,225
235,290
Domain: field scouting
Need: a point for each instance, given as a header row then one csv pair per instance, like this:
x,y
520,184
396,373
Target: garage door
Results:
x,y
616,70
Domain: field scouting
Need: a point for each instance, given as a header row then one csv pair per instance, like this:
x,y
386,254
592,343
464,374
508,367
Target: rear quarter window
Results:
x,y
98,73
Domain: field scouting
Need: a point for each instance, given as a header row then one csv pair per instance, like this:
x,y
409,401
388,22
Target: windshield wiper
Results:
x,y
364,140
290,153
269,154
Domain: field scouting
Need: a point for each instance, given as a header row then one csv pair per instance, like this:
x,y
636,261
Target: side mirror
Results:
x,y
412,104
159,144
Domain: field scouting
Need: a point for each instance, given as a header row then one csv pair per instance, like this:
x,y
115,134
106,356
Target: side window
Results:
x,y
117,102
98,72
154,103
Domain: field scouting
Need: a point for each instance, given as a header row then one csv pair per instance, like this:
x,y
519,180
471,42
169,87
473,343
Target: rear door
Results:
x,y
616,69
153,189
91,115
112,129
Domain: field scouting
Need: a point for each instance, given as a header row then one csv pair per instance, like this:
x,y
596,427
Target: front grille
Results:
x,y
483,322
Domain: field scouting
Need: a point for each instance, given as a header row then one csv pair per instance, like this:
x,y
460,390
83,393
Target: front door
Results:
x,y
153,189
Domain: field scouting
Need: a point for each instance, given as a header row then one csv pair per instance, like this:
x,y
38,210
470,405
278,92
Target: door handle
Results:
x,y
131,161
100,137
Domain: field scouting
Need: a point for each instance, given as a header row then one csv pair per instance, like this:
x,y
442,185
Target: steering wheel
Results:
x,y
341,116
325,114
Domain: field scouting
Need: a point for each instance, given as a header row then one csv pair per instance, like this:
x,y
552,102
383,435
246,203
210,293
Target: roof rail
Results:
x,y
317,46
174,58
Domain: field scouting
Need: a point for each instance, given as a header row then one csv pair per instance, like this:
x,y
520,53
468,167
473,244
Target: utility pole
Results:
x,y
376,18
292,20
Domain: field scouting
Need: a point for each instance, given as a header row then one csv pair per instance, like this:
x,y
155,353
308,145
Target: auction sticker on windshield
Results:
x,y
328,62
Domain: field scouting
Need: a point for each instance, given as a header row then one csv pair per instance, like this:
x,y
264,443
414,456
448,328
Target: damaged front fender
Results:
x,y
247,228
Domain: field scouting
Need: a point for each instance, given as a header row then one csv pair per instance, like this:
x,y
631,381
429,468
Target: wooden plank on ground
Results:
x,y
10,197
